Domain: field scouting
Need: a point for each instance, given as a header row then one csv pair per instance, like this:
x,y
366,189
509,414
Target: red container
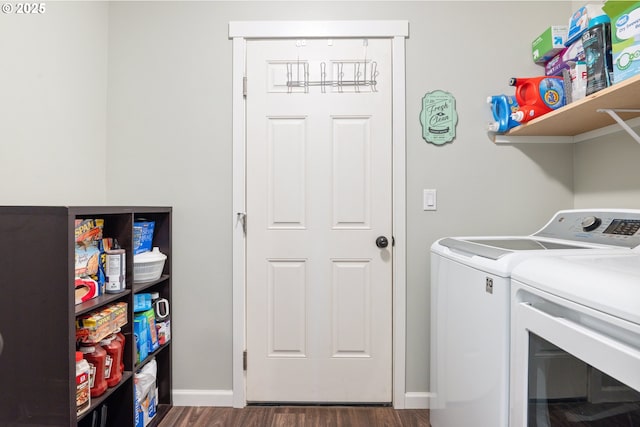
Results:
x,y
120,337
113,371
537,96
97,358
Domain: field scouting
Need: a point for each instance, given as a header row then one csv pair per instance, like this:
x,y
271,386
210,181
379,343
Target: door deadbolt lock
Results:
x,y
489,285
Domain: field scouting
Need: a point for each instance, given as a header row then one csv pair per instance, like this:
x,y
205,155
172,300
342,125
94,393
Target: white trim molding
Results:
x,y
417,400
397,31
222,398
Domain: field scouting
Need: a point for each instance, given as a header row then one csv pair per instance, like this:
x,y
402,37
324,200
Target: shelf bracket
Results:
x,y
506,139
614,115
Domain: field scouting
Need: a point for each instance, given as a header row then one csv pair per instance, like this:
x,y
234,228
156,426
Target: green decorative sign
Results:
x,y
438,117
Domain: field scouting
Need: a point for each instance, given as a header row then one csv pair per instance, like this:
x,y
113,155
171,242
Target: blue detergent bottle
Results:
x,y
502,107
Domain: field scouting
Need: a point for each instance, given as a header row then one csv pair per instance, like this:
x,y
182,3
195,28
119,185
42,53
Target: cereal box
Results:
x,y
88,235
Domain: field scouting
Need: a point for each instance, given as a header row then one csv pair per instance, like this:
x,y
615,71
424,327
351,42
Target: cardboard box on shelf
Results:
x,y
580,21
548,44
625,38
88,234
93,327
142,236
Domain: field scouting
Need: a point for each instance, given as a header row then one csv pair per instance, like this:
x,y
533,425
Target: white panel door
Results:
x,y
319,182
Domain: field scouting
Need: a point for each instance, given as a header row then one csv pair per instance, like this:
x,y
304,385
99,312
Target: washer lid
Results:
x,y
495,248
607,283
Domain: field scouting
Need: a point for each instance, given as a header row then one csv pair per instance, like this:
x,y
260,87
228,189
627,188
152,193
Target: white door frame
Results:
x,y
240,32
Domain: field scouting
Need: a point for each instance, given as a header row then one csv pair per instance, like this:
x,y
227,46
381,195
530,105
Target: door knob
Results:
x,y
382,242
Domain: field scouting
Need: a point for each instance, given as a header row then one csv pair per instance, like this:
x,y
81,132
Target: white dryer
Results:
x,y
470,308
575,341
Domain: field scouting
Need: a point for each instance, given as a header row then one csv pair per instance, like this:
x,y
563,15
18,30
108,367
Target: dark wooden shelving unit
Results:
x,y
38,313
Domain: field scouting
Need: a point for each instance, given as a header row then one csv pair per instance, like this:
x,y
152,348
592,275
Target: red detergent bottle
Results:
x,y
537,96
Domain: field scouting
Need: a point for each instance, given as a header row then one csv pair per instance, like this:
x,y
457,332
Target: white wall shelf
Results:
x,y
599,114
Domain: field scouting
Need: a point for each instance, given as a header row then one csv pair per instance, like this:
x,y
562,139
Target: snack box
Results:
x,y
88,230
88,235
625,38
94,326
118,312
548,44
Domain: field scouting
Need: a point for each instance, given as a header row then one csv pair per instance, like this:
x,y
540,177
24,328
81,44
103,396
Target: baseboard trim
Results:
x,y
203,398
416,400
224,398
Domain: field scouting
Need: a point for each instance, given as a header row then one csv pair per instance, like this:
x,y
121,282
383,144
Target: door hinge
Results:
x,y
244,86
244,360
241,217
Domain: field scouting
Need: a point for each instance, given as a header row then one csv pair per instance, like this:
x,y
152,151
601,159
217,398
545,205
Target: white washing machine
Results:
x,y
575,341
470,308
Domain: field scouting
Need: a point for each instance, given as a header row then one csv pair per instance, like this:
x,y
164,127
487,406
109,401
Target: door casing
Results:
x,y
240,32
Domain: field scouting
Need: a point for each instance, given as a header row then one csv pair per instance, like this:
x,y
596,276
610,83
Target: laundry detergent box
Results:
x,y
549,43
556,65
625,38
565,59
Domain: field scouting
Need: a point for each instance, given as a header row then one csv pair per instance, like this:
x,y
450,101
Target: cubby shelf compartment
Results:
x,y
583,120
38,315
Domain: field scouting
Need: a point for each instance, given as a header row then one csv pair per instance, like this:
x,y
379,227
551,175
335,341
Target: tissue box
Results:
x,y
625,38
549,43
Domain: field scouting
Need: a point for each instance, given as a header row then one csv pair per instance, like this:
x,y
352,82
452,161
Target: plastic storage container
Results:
x,y
97,358
148,266
122,340
113,371
537,96
597,50
83,391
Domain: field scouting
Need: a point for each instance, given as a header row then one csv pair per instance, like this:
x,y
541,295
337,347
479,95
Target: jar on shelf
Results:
x,y
120,337
83,385
112,371
96,356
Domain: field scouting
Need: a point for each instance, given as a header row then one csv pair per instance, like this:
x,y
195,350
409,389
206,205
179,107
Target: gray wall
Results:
x,y
607,172
170,98
149,84
53,91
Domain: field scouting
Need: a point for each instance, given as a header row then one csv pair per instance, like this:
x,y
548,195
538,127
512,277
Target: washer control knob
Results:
x,y
590,223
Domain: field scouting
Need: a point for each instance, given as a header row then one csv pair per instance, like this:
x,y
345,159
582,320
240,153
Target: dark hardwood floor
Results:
x,y
295,416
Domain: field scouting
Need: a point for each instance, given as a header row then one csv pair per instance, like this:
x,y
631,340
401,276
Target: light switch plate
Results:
x,y
429,200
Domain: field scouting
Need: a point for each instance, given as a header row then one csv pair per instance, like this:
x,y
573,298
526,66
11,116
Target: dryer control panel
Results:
x,y
613,227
